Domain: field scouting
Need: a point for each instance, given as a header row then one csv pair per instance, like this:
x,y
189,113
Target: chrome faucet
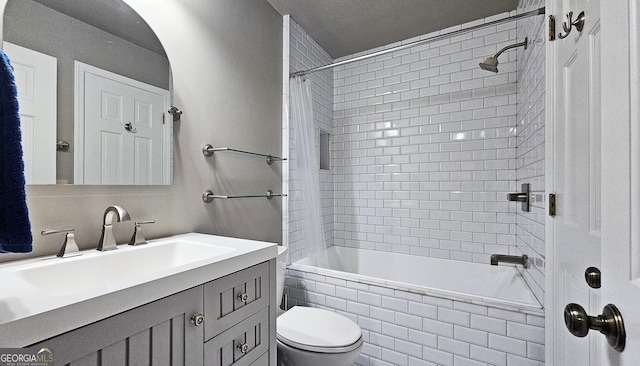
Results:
x,y
522,260
107,241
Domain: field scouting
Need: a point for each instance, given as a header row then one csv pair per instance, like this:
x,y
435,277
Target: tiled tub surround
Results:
x,y
394,186
530,146
409,324
424,148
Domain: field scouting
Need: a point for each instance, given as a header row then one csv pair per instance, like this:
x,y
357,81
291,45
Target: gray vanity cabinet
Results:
x,y
158,333
237,318
238,328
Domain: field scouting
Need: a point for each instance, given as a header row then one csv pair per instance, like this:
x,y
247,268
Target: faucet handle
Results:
x,y
69,247
137,237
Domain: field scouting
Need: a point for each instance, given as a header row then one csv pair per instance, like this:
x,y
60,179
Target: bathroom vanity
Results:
x,y
217,309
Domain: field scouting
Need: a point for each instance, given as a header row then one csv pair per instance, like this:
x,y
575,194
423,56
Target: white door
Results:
x,y
575,179
621,172
36,80
122,122
589,153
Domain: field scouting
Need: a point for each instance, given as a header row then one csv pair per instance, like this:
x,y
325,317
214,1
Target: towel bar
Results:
x,y
208,150
208,196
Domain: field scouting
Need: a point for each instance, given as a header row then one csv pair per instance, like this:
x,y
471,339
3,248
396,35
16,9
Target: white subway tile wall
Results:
x,y
425,148
305,53
530,146
425,145
404,328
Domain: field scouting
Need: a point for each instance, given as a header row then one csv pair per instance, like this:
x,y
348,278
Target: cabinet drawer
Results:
x,y
262,361
241,345
232,298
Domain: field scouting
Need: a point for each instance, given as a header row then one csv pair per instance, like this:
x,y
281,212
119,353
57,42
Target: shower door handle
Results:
x,y
610,324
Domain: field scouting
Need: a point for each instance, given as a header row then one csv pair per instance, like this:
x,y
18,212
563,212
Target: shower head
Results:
x,y
491,62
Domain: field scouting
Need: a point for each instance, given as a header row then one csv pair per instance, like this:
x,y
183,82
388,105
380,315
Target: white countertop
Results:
x,y
28,314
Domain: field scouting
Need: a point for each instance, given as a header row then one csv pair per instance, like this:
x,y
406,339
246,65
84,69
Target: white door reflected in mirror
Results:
x,y
36,80
122,136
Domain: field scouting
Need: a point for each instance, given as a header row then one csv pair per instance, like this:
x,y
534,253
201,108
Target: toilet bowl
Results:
x,y
314,337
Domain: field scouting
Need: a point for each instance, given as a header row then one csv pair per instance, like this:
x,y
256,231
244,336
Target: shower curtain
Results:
x,y
305,169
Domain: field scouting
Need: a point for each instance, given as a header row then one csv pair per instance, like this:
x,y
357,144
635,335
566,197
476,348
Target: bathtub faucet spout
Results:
x,y
522,260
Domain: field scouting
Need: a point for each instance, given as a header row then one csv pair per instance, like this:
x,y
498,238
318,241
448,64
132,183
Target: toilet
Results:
x,y
309,336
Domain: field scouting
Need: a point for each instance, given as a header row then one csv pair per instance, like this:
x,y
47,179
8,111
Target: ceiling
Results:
x,y
344,27
341,27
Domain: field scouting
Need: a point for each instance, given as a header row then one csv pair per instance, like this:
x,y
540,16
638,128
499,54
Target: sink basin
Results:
x,y
55,295
62,277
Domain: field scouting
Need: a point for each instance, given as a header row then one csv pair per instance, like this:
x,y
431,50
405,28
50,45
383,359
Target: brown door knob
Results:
x,y
610,324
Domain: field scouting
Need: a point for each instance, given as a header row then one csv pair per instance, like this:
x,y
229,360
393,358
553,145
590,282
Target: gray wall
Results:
x,y
226,58
35,26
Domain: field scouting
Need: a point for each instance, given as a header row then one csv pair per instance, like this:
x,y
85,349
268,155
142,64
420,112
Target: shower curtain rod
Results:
x,y
539,11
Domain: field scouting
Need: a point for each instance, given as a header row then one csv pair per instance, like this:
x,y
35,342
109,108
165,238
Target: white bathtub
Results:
x,y
500,286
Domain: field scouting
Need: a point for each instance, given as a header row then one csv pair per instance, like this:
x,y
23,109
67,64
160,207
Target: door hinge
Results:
x,y
552,204
552,28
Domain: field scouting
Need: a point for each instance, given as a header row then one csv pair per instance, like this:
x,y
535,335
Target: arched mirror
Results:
x,y
94,91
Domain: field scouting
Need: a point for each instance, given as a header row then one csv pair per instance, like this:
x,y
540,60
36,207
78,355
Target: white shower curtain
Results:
x,y
306,169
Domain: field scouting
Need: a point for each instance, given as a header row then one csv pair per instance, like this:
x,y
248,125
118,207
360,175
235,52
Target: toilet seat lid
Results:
x,y
316,328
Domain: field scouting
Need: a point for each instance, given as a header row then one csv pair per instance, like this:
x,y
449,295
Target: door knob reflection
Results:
x,y
129,127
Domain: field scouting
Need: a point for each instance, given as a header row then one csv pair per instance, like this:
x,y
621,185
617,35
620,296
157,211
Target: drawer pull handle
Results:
x,y
197,319
243,348
243,297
